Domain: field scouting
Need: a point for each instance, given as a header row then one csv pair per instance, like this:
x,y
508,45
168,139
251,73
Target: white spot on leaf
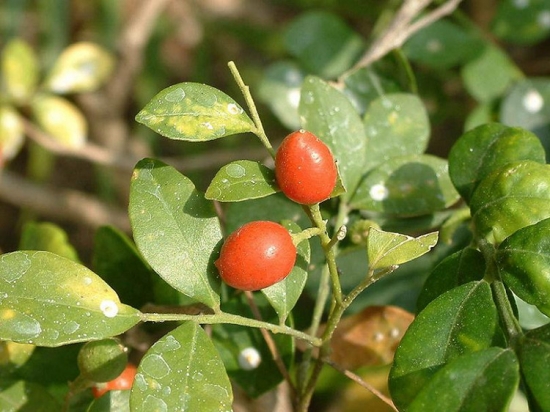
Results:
x,y
109,308
533,101
379,192
249,359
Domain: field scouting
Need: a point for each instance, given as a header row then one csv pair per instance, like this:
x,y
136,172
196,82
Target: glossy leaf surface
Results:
x,y
49,300
462,320
523,261
386,249
61,119
485,149
242,180
81,67
481,381
406,186
175,229
511,198
194,112
20,71
329,115
396,125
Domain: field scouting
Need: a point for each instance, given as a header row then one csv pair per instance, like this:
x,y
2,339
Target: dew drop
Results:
x,y
109,308
23,325
236,171
533,101
152,403
249,358
379,192
232,108
155,366
70,327
87,280
175,96
168,344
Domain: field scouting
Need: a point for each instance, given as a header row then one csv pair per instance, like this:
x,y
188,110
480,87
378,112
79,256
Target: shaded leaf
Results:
x,y
521,22
406,186
49,300
242,180
62,120
462,320
81,67
175,229
194,112
26,396
512,197
479,381
487,148
11,133
48,237
13,355
523,259
284,295
323,43
20,71
386,249
112,401
280,90
182,371
396,124
327,113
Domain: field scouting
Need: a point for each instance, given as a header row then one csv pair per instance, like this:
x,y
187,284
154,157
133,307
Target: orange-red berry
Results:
x,y
123,381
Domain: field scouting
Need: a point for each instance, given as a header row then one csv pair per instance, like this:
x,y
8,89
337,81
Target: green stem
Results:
x,y
305,234
245,90
222,317
508,319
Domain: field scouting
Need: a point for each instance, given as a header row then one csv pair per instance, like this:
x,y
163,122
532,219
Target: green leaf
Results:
x,y
534,355
386,249
523,260
280,90
487,148
367,84
81,67
323,43
13,355
527,105
11,133
26,396
284,295
462,320
511,198
182,371
406,186
20,71
118,262
49,300
48,237
242,180
62,120
396,125
112,401
194,112
481,114
329,114
489,75
461,267
479,381
175,229
522,22
442,45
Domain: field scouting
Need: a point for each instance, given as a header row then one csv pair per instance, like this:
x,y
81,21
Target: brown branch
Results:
x,y
62,204
402,27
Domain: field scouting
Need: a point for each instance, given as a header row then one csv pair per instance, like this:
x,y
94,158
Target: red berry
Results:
x,y
305,168
121,382
257,255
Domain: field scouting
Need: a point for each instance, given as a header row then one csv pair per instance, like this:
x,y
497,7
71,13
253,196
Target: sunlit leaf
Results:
x,y
182,371
284,295
20,71
11,133
81,67
487,148
523,260
194,112
26,396
406,186
175,229
61,119
242,180
329,114
510,198
13,355
488,380
323,43
49,300
396,124
48,237
386,249
462,320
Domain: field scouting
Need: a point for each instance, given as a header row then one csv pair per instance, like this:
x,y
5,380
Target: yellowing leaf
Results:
x,y
82,67
19,70
11,133
61,119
